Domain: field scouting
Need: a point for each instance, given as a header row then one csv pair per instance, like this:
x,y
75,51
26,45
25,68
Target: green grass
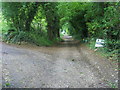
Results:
x,y
91,44
7,84
103,51
81,72
112,85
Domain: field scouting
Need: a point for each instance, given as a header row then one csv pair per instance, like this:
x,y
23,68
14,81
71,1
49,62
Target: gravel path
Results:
x,y
55,67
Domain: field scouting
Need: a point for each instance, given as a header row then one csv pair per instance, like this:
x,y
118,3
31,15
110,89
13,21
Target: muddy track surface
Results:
x,y
55,67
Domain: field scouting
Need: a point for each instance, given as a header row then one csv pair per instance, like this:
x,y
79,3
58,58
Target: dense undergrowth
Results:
x,y
111,54
31,37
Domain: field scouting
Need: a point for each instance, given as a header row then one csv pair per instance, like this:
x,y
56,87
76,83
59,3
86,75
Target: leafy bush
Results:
x,y
110,50
15,36
31,37
39,40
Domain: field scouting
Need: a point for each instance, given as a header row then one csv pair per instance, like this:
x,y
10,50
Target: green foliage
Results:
x,y
19,15
39,40
7,84
40,21
31,37
110,53
105,23
26,17
52,19
112,85
91,43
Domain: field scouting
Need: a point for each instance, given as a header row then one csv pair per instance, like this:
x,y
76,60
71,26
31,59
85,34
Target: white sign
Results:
x,y
99,43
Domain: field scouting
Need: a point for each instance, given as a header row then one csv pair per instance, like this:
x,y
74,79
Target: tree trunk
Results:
x,y
52,20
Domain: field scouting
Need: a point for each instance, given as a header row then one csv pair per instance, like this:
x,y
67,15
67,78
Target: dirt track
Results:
x,y
55,67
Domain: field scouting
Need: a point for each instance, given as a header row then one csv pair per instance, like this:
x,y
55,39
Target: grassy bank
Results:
x,y
112,55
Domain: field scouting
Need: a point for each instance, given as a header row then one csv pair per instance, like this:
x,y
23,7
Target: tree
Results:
x,y
52,20
20,14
